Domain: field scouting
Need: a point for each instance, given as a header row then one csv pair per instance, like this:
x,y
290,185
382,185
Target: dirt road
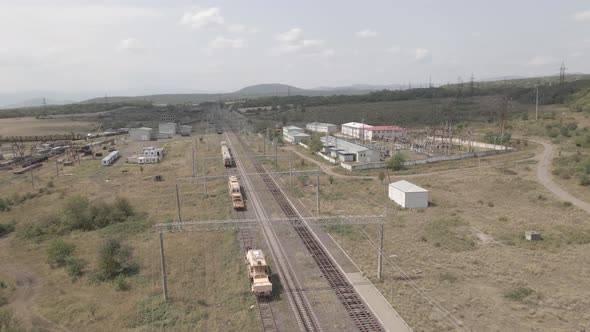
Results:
x,y
546,178
28,284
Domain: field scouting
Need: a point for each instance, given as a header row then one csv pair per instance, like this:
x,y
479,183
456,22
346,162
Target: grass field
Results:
x,y
467,250
207,284
32,126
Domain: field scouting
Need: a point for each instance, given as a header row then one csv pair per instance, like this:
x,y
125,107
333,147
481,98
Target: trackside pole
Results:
x,y
163,263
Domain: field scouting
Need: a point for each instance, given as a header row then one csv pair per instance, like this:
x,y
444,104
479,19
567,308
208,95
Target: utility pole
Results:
x,y
32,178
380,257
290,173
178,207
56,168
537,104
163,264
317,195
194,170
205,176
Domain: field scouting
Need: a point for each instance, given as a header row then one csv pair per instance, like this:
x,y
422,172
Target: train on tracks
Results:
x,y
236,193
228,159
258,273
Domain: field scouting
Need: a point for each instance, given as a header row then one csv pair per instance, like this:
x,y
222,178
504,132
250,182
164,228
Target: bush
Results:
x,y
4,205
331,179
58,253
396,162
115,259
522,294
585,180
75,267
7,228
121,284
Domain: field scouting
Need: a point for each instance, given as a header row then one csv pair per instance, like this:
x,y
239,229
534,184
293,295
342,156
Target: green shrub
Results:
x,y
121,284
75,267
58,252
7,228
155,312
115,259
522,294
396,162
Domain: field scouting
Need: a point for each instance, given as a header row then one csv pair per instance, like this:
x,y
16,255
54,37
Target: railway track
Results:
x,y
354,306
264,305
301,308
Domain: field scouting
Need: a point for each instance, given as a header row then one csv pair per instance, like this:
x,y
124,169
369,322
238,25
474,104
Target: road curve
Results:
x,y
546,178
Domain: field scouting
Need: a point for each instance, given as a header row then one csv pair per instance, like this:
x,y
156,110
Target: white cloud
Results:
x,y
239,28
541,60
395,49
293,41
200,19
223,42
367,33
321,54
422,54
291,36
582,16
476,34
131,45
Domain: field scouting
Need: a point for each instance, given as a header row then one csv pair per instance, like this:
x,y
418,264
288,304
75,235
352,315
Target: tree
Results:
x,y
58,252
315,144
114,259
396,162
381,176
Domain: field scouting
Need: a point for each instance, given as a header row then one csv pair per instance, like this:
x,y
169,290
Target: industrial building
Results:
x,y
355,129
185,130
321,127
143,160
408,195
294,134
142,134
167,130
384,132
346,151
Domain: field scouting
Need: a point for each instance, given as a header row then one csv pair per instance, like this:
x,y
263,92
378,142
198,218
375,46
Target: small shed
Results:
x,y
408,195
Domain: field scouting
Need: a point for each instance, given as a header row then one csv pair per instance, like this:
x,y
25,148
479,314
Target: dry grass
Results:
x,y
207,283
467,250
32,126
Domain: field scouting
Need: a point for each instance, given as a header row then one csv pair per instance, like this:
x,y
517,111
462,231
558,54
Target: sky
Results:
x,y
137,47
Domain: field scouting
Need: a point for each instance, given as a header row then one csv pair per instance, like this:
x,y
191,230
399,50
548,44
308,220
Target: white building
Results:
x,y
153,152
110,159
408,195
321,127
355,129
384,132
294,134
141,134
185,130
346,151
167,130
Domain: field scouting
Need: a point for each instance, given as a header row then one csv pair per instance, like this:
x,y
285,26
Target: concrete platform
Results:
x,y
386,314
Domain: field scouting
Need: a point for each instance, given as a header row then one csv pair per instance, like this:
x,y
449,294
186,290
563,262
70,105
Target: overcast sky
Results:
x,y
177,45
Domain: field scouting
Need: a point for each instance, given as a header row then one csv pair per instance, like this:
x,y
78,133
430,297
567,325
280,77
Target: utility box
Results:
x,y
408,195
533,236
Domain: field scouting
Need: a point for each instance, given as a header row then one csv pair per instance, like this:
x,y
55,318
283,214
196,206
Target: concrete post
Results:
x,y
163,264
317,195
380,257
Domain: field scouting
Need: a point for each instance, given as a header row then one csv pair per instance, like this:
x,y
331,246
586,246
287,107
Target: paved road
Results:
x,y
546,178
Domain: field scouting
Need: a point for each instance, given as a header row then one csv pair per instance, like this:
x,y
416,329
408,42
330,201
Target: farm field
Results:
x,y
32,126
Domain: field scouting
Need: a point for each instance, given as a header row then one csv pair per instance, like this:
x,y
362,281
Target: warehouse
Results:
x,y
384,132
166,130
346,151
141,134
294,135
355,129
321,127
408,195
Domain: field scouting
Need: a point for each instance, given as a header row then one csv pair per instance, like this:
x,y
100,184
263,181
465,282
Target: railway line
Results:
x,y
301,309
354,306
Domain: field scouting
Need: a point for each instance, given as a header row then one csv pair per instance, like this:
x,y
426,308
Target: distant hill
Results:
x,y
253,91
35,102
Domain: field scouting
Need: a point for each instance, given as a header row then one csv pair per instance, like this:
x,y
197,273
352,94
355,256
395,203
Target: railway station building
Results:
x,y
294,134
